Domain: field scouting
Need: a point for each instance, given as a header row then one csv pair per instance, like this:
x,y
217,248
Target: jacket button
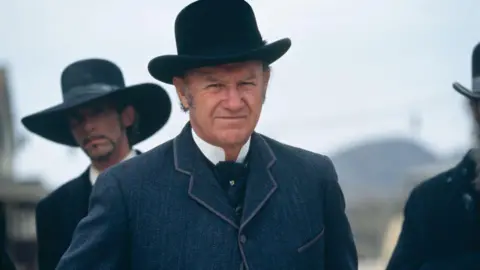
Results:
x,y
243,239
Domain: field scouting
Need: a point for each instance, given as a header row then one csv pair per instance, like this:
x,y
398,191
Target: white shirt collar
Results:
x,y
94,173
216,154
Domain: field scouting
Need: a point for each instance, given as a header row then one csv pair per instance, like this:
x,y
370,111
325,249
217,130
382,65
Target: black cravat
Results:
x,y
232,178
229,173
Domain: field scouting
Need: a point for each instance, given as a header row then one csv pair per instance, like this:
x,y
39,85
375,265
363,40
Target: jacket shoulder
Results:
x,y
300,157
145,163
431,193
434,184
295,152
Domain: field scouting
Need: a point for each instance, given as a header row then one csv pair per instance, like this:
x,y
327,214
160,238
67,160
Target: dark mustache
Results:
x,y
92,138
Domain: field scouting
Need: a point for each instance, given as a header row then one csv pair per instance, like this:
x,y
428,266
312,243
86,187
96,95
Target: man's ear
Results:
x,y
128,116
180,86
266,78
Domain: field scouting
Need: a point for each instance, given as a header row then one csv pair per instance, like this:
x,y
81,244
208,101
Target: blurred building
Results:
x,y
18,197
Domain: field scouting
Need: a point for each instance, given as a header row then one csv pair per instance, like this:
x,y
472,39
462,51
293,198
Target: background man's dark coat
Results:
x,y
165,210
57,216
5,261
441,229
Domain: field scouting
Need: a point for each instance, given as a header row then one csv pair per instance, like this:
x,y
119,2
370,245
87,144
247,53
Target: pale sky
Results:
x,y
356,70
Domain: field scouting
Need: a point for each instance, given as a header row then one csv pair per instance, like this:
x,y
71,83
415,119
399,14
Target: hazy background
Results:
x,y
358,73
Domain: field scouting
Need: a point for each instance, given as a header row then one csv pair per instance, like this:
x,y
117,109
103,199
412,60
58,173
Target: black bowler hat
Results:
x,y
91,80
473,93
215,32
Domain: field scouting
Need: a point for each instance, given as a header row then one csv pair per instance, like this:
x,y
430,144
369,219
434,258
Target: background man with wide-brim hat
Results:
x,y
441,229
105,119
219,195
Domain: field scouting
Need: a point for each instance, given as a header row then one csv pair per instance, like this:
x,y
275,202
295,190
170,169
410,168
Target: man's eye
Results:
x,y
247,83
215,85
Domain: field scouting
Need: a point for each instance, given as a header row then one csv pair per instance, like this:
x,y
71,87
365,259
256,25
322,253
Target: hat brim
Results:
x,y
465,91
164,68
151,102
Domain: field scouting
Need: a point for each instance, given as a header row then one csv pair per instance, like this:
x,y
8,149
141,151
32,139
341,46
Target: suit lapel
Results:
x,y
203,187
260,183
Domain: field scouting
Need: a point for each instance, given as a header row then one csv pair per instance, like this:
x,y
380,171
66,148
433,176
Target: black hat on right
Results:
x,y
215,32
474,92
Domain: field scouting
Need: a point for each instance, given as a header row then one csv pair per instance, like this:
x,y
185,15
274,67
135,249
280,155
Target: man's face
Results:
x,y
224,102
98,128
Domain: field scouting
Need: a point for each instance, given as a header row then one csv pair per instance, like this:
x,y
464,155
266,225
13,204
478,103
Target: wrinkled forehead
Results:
x,y
243,70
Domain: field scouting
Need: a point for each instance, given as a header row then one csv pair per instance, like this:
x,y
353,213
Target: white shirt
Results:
x,y
93,173
216,154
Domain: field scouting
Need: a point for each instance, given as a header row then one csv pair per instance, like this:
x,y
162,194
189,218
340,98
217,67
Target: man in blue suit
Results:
x,y
219,195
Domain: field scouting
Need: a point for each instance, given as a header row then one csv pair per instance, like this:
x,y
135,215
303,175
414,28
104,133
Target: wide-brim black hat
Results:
x,y
96,80
215,32
474,92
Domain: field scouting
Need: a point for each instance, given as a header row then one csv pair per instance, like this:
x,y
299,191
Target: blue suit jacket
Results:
x,y
165,210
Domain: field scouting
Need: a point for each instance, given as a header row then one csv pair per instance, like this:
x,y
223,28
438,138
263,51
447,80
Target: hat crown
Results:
x,y
213,27
91,74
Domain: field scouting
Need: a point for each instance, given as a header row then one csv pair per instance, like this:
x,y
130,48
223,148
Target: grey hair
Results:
x,y
188,95
133,132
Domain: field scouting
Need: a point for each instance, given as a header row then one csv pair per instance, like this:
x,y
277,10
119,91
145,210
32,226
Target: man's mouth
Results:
x,y
232,117
93,141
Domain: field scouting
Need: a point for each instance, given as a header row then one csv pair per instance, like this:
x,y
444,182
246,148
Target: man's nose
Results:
x,y
88,124
234,99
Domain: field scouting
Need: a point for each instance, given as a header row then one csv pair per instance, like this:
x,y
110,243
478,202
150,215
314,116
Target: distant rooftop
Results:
x,y
27,190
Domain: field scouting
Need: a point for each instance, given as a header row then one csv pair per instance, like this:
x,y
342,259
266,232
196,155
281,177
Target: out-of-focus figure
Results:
x,y
105,119
18,195
441,228
5,261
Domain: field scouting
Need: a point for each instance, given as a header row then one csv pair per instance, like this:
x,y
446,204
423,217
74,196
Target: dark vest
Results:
x,y
232,178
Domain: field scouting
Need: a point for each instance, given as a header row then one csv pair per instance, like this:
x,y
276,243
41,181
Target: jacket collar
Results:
x,y
465,169
204,188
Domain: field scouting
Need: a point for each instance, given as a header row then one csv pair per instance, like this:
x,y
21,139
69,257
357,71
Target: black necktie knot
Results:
x,y
229,173
229,170
232,178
